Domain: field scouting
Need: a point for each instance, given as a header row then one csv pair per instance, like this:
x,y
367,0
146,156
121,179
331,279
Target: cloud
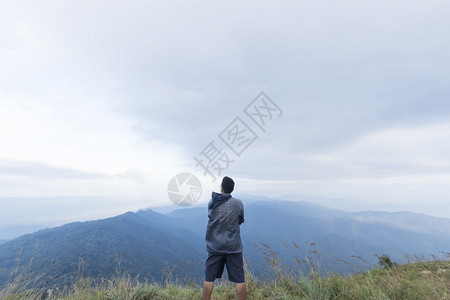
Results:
x,y
43,171
113,93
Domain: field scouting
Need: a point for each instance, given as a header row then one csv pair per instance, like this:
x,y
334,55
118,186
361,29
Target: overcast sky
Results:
x,y
114,98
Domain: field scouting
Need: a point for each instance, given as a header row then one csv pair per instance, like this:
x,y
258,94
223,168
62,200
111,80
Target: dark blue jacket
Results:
x,y
225,214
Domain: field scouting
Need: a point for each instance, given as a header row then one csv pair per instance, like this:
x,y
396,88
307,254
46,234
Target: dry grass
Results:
x,y
415,280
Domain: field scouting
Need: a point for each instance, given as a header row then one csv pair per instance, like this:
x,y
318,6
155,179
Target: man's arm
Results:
x,y
241,215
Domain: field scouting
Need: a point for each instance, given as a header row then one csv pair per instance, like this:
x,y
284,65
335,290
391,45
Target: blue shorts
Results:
x,y
215,264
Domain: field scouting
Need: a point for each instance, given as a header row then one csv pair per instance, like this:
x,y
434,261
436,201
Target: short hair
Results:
x,y
227,185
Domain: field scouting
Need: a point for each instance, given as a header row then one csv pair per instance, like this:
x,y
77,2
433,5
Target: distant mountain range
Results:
x,y
156,246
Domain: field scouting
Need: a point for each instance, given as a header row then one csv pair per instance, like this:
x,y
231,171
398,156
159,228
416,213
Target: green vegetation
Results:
x,y
418,280
145,244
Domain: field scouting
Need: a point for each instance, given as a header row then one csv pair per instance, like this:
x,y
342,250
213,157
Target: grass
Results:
x,y
416,279
420,280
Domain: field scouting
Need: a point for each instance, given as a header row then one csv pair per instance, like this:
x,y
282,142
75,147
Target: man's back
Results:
x,y
223,240
223,232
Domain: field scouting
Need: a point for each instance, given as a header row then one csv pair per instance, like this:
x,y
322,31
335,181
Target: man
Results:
x,y
223,240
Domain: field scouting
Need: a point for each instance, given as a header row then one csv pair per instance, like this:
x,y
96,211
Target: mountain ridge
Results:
x,y
153,245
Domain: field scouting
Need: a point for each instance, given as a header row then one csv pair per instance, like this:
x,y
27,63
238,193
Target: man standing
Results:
x,y
223,240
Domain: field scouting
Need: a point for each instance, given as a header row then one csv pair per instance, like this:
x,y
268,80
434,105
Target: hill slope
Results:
x,y
336,234
150,244
143,243
421,280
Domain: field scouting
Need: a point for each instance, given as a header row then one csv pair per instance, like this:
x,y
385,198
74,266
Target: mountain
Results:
x,y
441,209
13,231
340,238
155,246
22,215
143,243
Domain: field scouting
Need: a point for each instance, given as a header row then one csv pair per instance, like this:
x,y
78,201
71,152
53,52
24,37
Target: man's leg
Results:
x,y
241,291
207,290
213,269
236,273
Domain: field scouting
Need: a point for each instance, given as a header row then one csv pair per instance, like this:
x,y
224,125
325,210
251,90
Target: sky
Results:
x,y
102,103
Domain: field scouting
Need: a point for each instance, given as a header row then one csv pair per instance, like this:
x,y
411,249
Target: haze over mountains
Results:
x,y
28,214
21,215
153,245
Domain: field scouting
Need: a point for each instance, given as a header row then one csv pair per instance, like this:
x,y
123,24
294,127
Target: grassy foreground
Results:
x,y
420,280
